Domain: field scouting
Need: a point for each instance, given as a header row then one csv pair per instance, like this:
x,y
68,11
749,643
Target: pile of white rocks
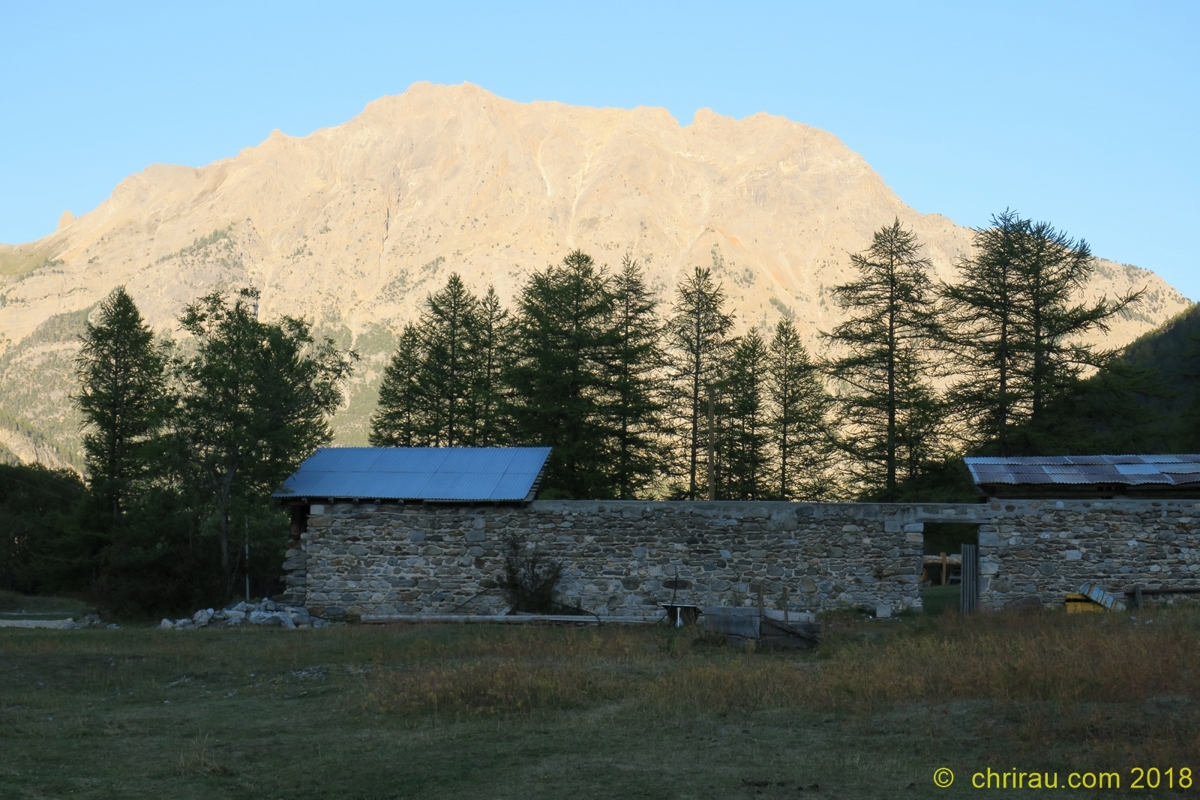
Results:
x,y
264,612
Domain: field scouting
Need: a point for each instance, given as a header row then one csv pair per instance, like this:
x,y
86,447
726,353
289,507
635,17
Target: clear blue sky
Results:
x,y
1084,114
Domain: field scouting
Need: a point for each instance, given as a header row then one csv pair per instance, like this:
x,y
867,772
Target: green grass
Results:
x,y
495,712
17,605
940,599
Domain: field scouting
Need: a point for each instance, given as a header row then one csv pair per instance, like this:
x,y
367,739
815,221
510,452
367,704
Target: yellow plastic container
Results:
x,y
1082,604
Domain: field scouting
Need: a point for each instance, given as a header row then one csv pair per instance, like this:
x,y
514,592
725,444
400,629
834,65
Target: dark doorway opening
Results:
x,y
941,573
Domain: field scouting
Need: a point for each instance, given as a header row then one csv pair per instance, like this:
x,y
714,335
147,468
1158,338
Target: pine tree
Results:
x,y
559,375
745,423
123,398
636,405
884,343
1014,327
400,418
698,341
800,408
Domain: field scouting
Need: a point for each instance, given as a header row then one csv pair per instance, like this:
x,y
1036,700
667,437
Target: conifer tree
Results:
x,y
799,410
636,405
1013,327
698,341
923,437
123,399
490,342
559,375
448,363
745,424
883,355
400,419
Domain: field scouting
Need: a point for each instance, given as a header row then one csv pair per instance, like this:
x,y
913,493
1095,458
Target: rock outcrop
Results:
x,y
352,226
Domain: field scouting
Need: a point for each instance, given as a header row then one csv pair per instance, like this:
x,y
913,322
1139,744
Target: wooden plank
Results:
x,y
513,619
1099,595
747,624
794,635
743,625
1165,590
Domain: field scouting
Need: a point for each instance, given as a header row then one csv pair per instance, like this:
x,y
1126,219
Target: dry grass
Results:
x,y
1020,657
490,688
487,712
198,758
1003,658
608,644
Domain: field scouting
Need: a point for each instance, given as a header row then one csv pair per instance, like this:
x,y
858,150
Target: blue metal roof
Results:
x,y
457,474
1129,470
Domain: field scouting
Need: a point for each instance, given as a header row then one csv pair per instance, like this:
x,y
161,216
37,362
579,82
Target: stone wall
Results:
x,y
1045,549
620,558
626,557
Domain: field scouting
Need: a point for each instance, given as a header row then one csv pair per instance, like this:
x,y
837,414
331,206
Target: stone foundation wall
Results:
x,y
1045,549
627,557
619,558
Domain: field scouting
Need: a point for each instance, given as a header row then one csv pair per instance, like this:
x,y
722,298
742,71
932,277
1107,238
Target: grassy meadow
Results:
x,y
539,712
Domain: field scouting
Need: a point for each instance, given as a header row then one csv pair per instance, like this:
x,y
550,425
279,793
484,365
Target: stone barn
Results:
x,y
402,531
1122,522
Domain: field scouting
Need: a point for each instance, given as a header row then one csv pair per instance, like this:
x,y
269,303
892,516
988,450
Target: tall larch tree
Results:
x,y
881,351
636,404
698,342
745,428
799,423
1015,326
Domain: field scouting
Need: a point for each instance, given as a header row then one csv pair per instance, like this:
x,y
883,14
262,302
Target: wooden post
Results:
x,y
944,567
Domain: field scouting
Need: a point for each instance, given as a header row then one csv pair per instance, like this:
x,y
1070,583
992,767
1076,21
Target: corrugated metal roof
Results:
x,y
1131,470
462,474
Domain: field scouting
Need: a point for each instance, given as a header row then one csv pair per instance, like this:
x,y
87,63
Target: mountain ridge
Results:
x,y
353,225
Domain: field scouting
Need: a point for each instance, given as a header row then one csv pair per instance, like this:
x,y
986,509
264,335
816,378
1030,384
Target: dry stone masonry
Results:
x,y
1046,548
626,557
620,557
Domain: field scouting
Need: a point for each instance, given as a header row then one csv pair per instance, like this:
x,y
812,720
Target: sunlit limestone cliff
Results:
x,y
352,226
